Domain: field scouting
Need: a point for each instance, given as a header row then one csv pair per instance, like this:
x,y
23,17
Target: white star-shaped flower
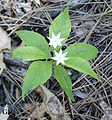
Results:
x,y
55,40
60,57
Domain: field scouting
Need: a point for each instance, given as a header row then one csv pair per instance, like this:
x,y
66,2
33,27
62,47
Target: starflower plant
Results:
x,y
55,40
60,57
37,50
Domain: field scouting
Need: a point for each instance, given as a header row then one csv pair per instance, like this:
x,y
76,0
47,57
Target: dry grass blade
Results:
x,y
37,1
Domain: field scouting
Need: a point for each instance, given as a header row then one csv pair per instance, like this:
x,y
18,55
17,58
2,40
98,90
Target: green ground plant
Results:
x,y
37,50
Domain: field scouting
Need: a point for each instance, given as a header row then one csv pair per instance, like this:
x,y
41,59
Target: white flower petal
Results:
x,y
55,40
54,58
55,45
64,54
55,53
58,62
60,57
63,62
53,35
66,58
60,52
58,36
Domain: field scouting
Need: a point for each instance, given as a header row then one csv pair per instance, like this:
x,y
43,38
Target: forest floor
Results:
x,y
91,23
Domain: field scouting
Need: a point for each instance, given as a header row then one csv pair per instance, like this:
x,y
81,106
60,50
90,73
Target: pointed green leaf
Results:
x,y
34,39
38,73
82,50
81,65
61,24
29,53
64,80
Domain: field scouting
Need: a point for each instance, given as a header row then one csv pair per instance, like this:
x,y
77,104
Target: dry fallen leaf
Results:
x,y
50,105
53,106
5,44
5,41
2,65
37,111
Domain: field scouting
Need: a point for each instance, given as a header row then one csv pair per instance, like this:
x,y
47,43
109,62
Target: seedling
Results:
x,y
76,56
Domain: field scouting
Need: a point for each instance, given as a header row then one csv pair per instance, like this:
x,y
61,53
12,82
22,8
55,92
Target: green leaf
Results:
x,y
80,64
82,50
38,73
29,53
64,80
34,39
61,24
